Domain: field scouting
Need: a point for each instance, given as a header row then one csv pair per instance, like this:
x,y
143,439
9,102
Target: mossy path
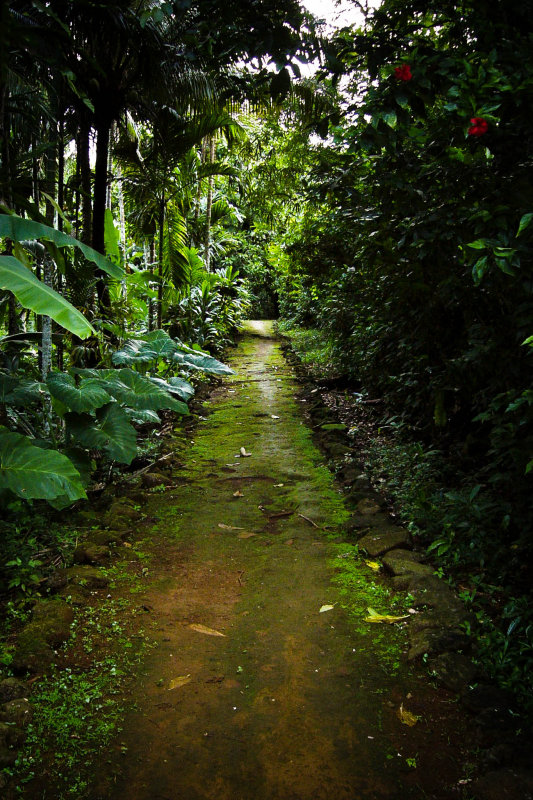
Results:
x,y
291,702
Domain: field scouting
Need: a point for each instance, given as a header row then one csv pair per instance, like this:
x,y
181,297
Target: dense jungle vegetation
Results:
x,y
166,170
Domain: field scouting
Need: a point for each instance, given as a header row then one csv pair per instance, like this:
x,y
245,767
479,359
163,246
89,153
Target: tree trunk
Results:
x,y
207,241
198,195
99,207
60,202
50,183
149,258
160,264
84,163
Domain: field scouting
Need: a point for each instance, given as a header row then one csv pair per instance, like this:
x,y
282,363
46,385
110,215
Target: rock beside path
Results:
x,y
378,542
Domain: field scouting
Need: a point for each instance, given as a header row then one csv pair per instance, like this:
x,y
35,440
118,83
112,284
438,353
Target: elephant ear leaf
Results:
x,y
36,474
85,397
202,363
110,432
138,392
175,386
19,392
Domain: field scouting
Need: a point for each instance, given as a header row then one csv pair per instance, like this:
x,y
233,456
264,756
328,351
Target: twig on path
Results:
x,y
311,522
239,577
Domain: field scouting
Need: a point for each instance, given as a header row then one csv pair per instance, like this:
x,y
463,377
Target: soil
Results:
x,y
254,689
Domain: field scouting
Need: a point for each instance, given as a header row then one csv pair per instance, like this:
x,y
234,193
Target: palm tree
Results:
x,y
161,194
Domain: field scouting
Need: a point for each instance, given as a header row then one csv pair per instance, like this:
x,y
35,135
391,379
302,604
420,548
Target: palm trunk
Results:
x,y
99,207
198,195
150,301
60,202
46,346
83,161
160,265
207,241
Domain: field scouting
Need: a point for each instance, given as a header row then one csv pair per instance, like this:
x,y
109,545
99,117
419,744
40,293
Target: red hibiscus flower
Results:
x,y
478,127
403,73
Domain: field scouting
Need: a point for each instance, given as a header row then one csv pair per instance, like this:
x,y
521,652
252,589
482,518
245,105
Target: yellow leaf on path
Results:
x,y
229,527
177,682
325,608
243,452
375,617
406,717
245,535
205,629
238,494
375,565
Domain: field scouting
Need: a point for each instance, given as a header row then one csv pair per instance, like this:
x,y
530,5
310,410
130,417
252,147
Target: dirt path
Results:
x,y
290,703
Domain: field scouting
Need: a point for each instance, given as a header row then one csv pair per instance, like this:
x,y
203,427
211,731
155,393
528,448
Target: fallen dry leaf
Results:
x,y
177,682
373,616
238,494
325,608
229,527
243,452
406,717
245,535
205,629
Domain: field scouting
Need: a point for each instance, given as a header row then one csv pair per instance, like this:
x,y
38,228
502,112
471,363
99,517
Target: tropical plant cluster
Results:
x,y
117,120
412,259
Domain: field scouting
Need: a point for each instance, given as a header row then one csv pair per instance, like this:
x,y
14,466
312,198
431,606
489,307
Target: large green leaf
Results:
x,y
88,396
178,386
202,363
36,474
138,392
20,229
153,345
40,298
19,392
135,351
110,432
158,344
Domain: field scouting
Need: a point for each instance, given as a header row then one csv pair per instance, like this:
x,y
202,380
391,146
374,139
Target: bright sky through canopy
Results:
x,y
336,15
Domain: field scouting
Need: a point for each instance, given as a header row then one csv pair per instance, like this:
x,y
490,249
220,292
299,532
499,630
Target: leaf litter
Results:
x,y
176,683
373,616
406,717
205,630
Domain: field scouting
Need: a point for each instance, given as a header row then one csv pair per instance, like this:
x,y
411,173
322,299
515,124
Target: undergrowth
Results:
x,y
462,519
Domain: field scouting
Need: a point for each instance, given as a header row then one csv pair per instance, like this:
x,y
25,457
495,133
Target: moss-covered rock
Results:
x,y
10,740
32,652
17,712
12,689
91,553
87,576
152,479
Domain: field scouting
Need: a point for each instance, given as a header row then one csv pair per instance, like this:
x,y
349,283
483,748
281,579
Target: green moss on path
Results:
x,y
291,702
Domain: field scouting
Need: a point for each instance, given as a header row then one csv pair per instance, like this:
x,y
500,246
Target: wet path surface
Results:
x,y
289,703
